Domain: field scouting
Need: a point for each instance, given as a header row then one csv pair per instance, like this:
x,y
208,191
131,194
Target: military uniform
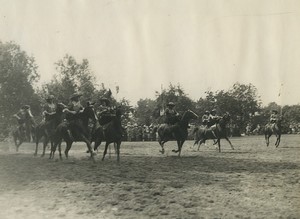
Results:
x,y
171,116
205,118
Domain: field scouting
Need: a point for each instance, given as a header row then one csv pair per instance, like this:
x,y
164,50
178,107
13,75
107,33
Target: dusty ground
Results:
x,y
253,181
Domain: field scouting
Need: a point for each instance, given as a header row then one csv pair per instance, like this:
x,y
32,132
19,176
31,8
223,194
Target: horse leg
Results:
x,y
18,145
161,143
105,150
181,144
200,142
53,149
68,147
59,150
97,144
117,145
88,144
278,140
267,139
219,144
37,139
46,141
229,142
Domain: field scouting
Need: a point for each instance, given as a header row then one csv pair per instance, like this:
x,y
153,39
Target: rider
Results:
x,y
49,107
171,114
274,116
74,108
205,118
213,118
23,116
106,111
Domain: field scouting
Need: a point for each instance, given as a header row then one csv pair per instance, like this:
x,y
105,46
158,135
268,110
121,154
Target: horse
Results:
x,y
274,128
46,128
216,131
178,131
110,133
70,132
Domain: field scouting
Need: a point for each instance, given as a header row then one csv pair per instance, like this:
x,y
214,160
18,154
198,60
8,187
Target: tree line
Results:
x,y
18,86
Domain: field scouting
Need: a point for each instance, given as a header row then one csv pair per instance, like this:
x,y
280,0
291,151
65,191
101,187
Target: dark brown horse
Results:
x,y
110,133
178,131
47,128
273,128
75,131
216,131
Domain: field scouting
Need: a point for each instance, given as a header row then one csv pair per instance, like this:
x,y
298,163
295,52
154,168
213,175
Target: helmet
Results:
x,y
274,111
50,97
206,112
105,100
25,107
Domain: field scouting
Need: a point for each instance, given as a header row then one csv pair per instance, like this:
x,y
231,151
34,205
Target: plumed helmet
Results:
x,y
206,112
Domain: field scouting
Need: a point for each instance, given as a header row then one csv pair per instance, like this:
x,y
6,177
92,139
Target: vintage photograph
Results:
x,y
149,109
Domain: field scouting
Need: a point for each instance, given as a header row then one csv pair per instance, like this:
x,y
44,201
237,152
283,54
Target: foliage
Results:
x,y
72,77
18,73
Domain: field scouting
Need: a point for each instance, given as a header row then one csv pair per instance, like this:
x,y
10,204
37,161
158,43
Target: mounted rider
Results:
x,y
205,118
274,116
213,117
49,107
74,108
106,111
23,116
172,116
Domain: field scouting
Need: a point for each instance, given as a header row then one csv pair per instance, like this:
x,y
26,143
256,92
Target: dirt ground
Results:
x,y
253,181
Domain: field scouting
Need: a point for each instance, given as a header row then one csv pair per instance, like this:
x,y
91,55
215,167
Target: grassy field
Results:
x,y
252,181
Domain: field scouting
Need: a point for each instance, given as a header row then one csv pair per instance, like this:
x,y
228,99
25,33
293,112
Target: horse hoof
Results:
x,y
175,151
162,151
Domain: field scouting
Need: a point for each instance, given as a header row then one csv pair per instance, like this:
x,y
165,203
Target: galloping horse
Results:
x,y
274,128
216,131
62,132
47,128
110,133
178,131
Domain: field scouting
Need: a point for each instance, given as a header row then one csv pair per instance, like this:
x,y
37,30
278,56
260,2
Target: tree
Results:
x,y
144,111
18,73
72,77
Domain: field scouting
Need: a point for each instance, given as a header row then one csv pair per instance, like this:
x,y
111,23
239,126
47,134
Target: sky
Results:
x,y
144,45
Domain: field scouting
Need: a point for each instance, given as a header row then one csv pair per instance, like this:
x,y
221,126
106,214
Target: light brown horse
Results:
x,y
217,131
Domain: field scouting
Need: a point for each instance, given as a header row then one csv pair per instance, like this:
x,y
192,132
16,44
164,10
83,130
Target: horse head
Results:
x,y
89,112
188,115
224,119
119,111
